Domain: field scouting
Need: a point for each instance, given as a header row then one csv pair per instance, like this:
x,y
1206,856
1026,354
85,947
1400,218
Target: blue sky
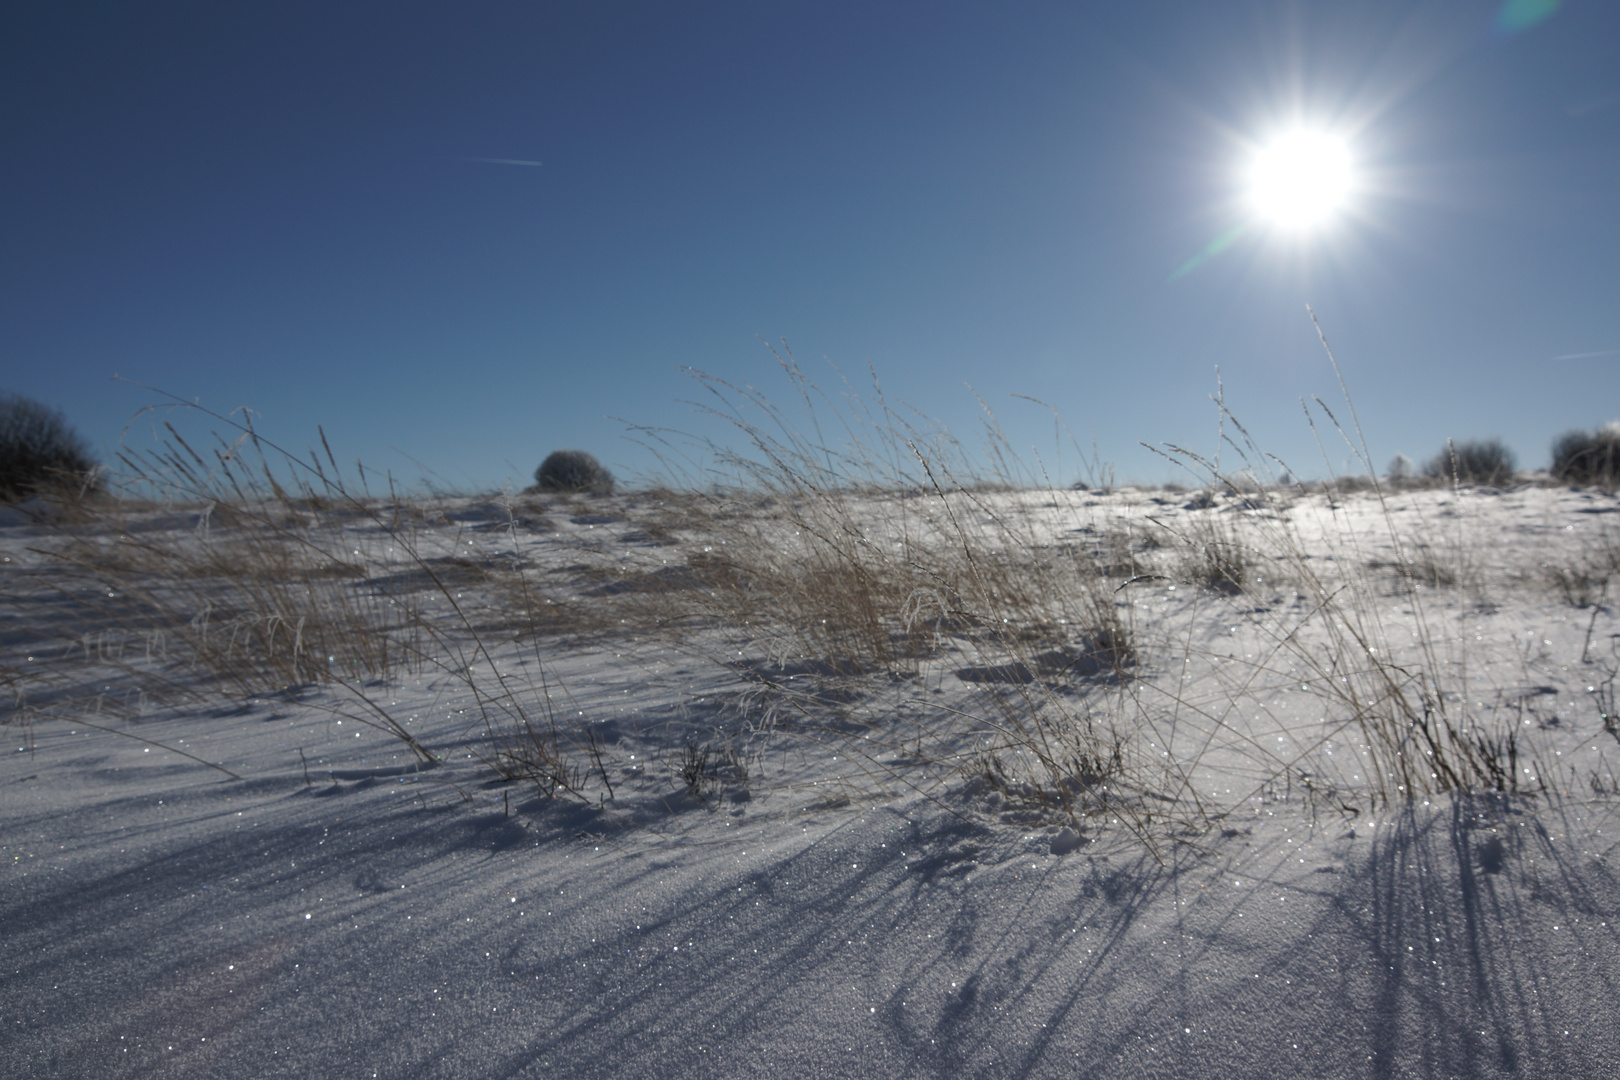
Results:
x,y
318,211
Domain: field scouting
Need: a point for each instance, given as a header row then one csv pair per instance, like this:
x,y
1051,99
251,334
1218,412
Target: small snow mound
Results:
x,y
1066,841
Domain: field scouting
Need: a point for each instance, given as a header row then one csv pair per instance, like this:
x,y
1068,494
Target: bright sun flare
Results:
x,y
1300,179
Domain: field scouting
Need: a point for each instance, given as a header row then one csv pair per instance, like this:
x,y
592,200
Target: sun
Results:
x,y
1301,179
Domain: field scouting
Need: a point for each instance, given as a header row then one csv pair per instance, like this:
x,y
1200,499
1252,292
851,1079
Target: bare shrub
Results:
x,y
573,471
39,451
1588,457
1484,461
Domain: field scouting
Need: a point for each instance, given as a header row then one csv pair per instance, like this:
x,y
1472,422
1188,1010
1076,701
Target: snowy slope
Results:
x,y
341,909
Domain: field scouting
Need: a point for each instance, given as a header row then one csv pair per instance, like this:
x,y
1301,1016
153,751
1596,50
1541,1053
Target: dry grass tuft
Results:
x,y
284,578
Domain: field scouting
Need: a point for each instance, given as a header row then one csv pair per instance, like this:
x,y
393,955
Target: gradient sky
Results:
x,y
465,235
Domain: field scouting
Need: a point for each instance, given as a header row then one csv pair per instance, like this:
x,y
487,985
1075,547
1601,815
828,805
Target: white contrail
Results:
x,y
1588,355
502,161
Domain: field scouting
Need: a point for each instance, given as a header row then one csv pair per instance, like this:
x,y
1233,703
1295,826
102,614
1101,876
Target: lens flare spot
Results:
x,y
1516,16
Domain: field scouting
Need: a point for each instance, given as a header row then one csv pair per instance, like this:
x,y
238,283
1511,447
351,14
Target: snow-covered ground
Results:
x,y
773,864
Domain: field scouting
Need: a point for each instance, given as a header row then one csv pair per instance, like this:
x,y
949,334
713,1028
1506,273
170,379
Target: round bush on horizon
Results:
x,y
1477,461
38,450
573,470
1588,457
